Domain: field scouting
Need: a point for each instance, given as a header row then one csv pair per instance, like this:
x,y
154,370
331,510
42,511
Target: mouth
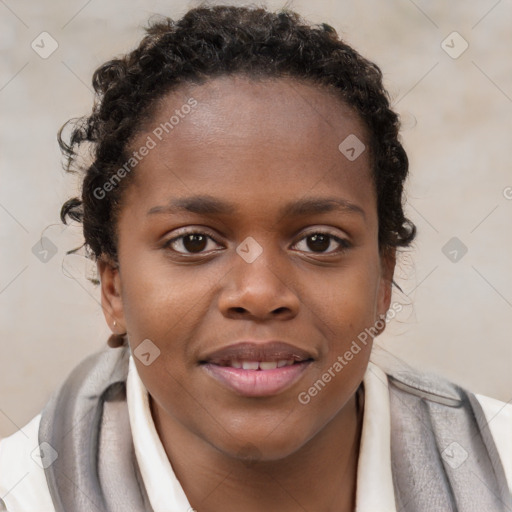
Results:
x,y
257,369
257,365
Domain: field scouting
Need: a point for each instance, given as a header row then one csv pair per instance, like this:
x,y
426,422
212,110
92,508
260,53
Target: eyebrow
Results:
x,y
207,205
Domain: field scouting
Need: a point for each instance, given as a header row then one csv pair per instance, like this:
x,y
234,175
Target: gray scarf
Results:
x,y
443,455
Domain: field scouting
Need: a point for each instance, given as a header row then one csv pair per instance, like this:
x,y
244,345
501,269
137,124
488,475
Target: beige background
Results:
x,y
457,116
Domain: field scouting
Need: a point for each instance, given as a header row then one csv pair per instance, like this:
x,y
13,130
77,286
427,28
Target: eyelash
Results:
x,y
344,244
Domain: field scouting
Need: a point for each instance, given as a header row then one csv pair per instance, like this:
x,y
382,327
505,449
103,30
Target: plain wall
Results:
x,y
457,120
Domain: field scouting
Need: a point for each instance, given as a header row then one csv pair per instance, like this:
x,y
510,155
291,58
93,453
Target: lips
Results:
x,y
247,351
257,368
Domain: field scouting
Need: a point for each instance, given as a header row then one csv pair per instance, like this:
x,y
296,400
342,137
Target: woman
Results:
x,y
244,207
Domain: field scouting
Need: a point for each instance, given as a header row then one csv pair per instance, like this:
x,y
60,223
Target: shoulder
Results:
x,y
23,484
499,418
497,415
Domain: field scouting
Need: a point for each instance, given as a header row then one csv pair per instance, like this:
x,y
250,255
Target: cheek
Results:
x,y
156,301
347,304
345,314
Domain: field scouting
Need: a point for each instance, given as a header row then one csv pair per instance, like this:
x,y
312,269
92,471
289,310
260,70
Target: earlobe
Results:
x,y
111,297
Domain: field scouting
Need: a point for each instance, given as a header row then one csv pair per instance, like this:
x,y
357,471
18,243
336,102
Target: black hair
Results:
x,y
211,41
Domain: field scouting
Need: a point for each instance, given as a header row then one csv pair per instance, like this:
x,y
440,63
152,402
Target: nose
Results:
x,y
259,291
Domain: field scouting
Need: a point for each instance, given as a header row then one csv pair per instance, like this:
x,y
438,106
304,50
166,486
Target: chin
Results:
x,y
251,451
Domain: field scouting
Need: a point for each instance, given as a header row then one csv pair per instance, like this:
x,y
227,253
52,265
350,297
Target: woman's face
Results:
x,y
283,267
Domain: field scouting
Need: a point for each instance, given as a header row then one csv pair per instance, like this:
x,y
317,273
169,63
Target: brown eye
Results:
x,y
320,243
190,243
194,242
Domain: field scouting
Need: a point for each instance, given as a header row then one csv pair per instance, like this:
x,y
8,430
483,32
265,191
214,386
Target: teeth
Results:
x,y
250,365
268,365
263,365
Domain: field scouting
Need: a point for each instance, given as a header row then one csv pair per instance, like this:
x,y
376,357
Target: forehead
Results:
x,y
234,129
229,105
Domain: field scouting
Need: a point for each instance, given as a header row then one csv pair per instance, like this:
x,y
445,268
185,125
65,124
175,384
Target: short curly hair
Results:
x,y
213,41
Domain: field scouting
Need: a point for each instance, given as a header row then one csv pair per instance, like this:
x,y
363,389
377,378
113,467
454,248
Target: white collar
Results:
x,y
164,490
374,479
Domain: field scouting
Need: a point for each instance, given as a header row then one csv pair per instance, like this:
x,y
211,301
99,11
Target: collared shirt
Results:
x,y
23,486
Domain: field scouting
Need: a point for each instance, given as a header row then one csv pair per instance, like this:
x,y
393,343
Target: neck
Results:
x,y
320,476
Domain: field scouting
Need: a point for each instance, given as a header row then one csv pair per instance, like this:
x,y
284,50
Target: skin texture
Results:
x,y
258,145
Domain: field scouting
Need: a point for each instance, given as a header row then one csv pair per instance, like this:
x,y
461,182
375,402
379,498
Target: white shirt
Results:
x,y
23,485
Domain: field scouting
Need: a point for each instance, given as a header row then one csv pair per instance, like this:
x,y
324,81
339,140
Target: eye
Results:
x,y
320,242
191,242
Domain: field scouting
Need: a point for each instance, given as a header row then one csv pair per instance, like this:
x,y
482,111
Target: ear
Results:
x,y
387,262
111,301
